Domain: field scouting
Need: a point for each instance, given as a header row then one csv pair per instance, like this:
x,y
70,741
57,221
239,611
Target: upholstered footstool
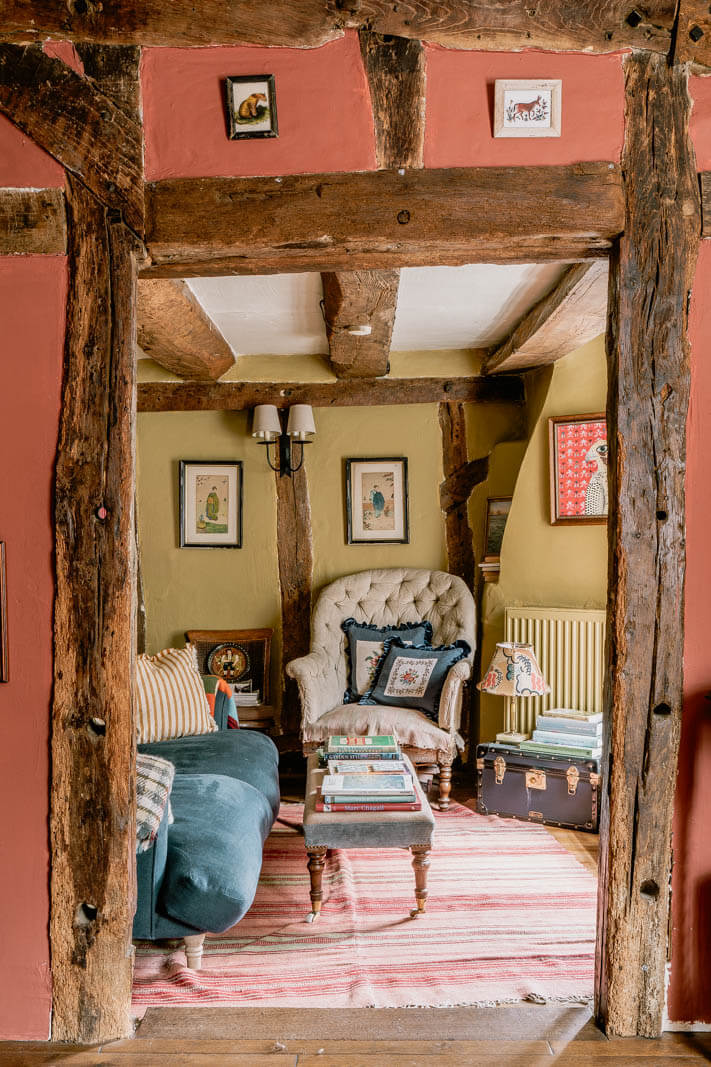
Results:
x,y
364,829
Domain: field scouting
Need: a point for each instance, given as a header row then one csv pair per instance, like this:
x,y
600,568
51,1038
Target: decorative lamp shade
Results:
x,y
265,422
301,422
514,672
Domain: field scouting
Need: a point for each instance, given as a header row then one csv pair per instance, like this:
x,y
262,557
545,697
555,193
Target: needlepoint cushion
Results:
x,y
412,676
365,646
170,698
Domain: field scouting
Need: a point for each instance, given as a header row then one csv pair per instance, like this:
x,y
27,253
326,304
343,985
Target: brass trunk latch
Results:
x,y
535,779
499,769
573,776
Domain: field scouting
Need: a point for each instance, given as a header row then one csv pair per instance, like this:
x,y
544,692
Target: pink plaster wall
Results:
x,y
690,990
323,107
32,299
23,164
700,89
460,106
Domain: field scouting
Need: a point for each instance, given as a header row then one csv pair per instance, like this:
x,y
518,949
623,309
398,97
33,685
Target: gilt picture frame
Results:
x,y
210,503
377,504
578,456
251,106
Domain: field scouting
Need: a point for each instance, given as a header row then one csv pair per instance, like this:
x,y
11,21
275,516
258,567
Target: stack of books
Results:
x,y
563,732
246,698
366,774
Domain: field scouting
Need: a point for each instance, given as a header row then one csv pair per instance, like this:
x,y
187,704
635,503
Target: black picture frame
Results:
x,y
190,533
359,524
238,128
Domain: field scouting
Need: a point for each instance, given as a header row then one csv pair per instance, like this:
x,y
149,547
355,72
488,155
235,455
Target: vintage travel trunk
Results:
x,y
557,790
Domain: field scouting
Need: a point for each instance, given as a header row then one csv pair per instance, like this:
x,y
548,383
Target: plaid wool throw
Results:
x,y
154,778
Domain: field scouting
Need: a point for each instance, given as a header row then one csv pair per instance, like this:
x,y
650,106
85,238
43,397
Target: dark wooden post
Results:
x,y
93,749
295,559
651,277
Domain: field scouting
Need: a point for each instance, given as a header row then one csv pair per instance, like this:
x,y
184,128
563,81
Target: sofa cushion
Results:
x,y
170,697
365,647
412,676
214,850
410,727
245,755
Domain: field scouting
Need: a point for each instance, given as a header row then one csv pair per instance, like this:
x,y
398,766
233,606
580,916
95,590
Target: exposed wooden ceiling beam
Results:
x,y
32,221
360,301
382,219
573,314
174,330
692,39
240,396
604,26
77,124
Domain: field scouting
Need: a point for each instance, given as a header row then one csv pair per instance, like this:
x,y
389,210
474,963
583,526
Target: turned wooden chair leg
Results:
x,y
193,950
317,859
445,785
420,863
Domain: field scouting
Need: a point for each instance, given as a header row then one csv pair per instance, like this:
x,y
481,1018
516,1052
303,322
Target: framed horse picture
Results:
x,y
377,501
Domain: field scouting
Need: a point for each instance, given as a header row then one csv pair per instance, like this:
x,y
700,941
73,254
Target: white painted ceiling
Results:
x,y
438,307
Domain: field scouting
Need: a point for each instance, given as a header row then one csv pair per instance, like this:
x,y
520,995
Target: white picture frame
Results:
x,y
527,107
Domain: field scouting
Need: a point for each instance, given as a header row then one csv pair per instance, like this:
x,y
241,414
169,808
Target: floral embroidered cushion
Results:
x,y
412,676
365,646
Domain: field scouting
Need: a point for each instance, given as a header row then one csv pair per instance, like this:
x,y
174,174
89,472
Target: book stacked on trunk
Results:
x,y
366,774
564,732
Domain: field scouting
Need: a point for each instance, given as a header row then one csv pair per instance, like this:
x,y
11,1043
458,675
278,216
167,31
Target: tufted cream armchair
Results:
x,y
386,598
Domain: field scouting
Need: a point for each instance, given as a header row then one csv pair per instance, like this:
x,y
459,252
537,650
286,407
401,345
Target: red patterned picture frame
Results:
x,y
578,469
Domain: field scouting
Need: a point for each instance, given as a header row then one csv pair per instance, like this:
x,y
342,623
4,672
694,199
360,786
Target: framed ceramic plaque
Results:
x,y
210,504
376,501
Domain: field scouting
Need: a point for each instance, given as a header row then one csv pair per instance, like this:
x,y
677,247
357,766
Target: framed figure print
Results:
x,y
251,106
578,469
376,501
210,504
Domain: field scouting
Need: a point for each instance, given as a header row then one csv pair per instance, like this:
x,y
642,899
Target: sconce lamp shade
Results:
x,y
514,672
301,422
265,422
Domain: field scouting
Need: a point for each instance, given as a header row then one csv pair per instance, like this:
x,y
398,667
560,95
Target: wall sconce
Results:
x,y
300,428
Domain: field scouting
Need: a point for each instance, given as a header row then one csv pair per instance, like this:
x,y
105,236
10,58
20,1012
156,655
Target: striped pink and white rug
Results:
x,y
510,916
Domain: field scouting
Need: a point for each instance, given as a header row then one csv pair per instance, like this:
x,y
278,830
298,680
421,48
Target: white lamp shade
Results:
x,y
265,422
301,422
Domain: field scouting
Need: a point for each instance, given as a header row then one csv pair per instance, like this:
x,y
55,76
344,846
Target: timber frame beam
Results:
x,y
174,331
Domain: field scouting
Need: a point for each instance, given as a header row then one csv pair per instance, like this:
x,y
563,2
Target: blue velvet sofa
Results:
x,y
201,873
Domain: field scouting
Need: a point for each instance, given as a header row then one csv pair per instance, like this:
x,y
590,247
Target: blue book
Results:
x,y
551,737
572,726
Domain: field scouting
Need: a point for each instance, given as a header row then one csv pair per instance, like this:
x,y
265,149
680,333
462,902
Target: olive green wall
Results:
x,y
551,566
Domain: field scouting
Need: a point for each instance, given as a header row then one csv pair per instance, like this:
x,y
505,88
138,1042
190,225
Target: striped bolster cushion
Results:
x,y
154,779
170,699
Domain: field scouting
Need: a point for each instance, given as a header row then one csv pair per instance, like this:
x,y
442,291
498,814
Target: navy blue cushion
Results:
x,y
245,755
365,645
412,676
214,850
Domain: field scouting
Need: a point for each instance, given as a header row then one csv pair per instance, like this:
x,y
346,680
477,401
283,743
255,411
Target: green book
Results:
x,y
560,750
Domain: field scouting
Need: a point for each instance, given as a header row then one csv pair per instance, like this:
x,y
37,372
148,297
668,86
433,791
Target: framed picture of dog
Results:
x,y
251,106
527,108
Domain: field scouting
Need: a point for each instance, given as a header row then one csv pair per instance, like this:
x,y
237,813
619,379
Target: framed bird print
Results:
x,y
376,501
578,469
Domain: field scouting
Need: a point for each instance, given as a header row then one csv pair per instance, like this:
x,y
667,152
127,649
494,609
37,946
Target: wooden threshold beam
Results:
x,y
32,221
240,396
601,27
174,330
567,318
79,125
395,69
382,219
354,302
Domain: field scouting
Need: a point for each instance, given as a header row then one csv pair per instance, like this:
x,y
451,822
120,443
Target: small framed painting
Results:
x,y
376,501
527,108
497,512
251,106
210,504
578,469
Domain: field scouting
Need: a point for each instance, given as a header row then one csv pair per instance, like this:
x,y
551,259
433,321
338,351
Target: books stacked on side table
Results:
x,y
366,774
563,732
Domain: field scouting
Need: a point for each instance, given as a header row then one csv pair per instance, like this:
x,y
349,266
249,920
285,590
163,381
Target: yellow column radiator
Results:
x,y
570,647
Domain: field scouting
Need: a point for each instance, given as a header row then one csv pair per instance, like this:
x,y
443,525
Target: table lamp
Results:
x,y
514,672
